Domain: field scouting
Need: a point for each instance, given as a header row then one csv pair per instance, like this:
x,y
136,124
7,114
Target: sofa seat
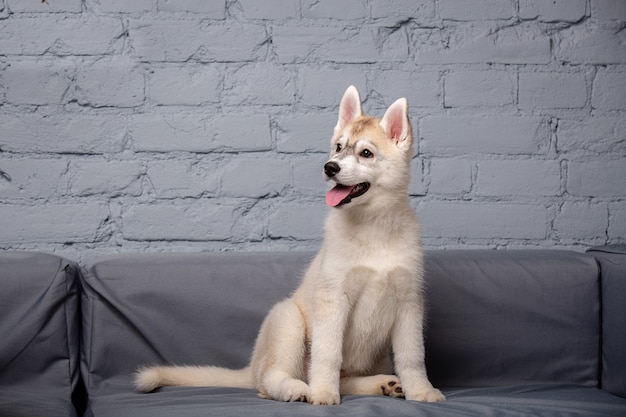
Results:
x,y
546,400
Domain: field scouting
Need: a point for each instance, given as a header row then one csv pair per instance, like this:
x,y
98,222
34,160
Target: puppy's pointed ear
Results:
x,y
396,124
349,108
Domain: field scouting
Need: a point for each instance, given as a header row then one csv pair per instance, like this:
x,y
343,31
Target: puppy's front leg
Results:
x,y
327,327
408,348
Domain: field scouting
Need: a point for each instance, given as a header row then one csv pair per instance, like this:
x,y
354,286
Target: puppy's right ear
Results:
x,y
349,109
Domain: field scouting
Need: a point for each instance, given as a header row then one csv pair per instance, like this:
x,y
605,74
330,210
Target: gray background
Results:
x,y
156,125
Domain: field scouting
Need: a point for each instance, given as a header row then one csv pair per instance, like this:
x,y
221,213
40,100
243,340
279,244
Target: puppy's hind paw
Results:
x,y
392,388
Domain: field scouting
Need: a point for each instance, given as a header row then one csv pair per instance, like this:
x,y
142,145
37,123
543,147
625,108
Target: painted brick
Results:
x,y
213,9
305,133
522,44
553,10
449,135
332,44
65,6
480,88
603,134
582,221
229,133
331,9
110,82
609,91
260,83
483,220
49,223
298,221
113,178
25,178
597,178
422,89
167,115
417,184
324,87
244,177
518,178
270,9
552,90
170,132
37,82
476,9
175,178
249,224
608,10
200,220
70,133
307,175
125,6
617,221
59,35
400,10
450,176
179,41
188,84
297,43
197,133
582,44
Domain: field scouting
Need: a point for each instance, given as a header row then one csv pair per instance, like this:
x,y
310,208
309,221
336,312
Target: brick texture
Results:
x,y
157,125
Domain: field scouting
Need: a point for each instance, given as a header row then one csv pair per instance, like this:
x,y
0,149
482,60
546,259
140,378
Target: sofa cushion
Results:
x,y
612,261
512,317
193,308
40,338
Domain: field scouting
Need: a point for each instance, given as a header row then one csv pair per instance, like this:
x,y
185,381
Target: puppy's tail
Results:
x,y
151,378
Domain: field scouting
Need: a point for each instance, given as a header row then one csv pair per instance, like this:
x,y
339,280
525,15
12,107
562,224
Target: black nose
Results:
x,y
331,169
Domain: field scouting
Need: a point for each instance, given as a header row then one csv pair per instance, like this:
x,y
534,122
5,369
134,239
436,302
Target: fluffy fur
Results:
x,y
357,315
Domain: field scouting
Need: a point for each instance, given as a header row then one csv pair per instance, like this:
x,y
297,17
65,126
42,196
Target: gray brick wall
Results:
x,y
156,125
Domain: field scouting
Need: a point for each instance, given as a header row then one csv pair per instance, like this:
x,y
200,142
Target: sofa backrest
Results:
x,y
40,336
494,317
187,309
512,317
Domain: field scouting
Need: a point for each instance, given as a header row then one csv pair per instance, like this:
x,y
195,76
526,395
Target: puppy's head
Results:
x,y
368,156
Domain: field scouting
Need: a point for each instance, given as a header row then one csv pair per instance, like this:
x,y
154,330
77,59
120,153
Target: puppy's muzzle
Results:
x,y
331,169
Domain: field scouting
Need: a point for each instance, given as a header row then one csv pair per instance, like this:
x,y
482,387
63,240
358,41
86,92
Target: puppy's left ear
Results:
x,y
396,124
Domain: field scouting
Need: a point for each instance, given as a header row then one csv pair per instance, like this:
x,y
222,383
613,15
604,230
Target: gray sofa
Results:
x,y
509,333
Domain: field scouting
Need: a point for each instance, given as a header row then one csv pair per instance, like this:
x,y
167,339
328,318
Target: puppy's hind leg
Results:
x,y
280,355
388,385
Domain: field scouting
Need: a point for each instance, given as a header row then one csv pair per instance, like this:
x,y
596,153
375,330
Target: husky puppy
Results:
x,y
356,320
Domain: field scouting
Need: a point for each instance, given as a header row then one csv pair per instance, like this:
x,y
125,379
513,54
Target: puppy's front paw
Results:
x,y
430,395
324,398
294,390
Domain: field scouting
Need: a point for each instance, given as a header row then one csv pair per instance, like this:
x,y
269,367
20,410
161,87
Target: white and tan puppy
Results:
x,y
356,320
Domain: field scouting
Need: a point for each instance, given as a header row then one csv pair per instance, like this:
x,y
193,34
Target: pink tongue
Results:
x,y
337,195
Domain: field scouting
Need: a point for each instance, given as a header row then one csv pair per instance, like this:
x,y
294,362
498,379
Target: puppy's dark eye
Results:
x,y
366,153
338,148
